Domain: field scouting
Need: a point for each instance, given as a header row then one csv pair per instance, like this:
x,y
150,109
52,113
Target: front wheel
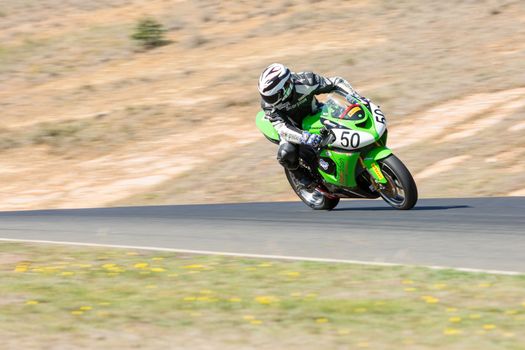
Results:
x,y
400,191
312,198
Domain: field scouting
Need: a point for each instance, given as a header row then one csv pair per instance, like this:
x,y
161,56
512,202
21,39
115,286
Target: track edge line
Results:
x,y
262,256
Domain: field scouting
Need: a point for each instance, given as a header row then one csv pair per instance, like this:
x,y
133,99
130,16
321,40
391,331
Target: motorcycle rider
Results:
x,y
287,98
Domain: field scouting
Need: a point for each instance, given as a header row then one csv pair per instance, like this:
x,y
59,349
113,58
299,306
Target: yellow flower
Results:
x,y
451,331
157,269
141,265
523,304
77,312
235,300
488,327
67,273
83,266
321,320
256,322
292,274
22,267
32,302
189,298
115,269
265,265
411,289
194,266
85,308
430,299
407,282
108,266
455,319
54,268
484,285
266,299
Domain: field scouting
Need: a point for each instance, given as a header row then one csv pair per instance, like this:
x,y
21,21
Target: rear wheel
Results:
x,y
314,198
400,191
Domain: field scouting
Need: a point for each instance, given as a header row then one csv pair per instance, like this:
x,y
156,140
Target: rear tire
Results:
x,y
401,190
312,198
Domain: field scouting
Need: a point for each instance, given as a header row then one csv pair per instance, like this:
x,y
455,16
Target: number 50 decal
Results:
x,y
352,141
380,117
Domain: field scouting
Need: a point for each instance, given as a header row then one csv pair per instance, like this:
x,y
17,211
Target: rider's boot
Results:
x,y
304,179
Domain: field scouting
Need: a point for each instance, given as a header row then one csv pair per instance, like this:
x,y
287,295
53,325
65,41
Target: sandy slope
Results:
x,y
89,120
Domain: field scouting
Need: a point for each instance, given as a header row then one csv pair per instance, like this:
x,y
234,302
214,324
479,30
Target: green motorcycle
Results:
x,y
352,160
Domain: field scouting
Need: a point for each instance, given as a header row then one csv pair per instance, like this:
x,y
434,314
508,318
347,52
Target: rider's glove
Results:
x,y
312,140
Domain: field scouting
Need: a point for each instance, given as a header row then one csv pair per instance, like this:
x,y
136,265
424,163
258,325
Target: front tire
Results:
x,y
312,198
400,191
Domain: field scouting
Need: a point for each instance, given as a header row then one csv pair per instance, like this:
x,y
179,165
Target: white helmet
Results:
x,y
275,84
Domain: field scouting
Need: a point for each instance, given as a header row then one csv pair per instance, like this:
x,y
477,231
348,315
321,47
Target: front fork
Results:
x,y
370,163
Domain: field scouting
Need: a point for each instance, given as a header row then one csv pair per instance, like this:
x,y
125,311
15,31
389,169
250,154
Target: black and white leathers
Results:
x,y
288,115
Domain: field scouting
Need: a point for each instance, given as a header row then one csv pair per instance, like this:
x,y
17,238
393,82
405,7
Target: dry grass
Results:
x,y
62,65
89,298
94,135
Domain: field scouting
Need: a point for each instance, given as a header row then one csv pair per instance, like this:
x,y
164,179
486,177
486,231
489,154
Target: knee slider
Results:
x,y
287,155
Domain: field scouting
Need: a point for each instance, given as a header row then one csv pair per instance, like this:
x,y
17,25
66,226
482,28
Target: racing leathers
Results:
x,y
287,117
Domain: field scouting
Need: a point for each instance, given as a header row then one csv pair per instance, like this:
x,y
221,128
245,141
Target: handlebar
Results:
x,y
327,137
355,98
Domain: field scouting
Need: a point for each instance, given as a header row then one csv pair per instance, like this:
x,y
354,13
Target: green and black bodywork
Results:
x,y
354,161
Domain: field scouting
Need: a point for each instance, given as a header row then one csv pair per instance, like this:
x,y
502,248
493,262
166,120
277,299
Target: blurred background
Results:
x,y
113,102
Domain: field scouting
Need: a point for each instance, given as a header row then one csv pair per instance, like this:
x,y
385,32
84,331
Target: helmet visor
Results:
x,y
280,96
273,99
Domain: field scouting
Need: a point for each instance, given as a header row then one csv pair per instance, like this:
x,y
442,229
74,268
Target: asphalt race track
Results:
x,y
479,233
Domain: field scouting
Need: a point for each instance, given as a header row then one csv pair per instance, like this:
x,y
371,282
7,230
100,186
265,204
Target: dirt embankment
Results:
x,y
90,120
